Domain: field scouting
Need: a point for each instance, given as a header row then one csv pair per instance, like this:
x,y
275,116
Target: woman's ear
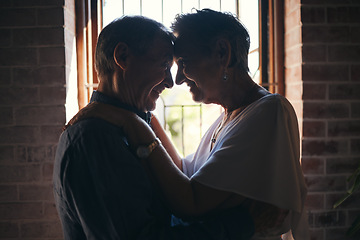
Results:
x,y
223,51
121,54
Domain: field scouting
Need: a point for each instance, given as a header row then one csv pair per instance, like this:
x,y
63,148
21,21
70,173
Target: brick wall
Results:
x,y
323,59
32,97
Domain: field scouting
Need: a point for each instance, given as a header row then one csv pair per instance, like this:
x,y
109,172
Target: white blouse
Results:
x,y
256,155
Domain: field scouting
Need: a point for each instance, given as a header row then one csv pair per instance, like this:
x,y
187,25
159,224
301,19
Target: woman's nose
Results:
x,y
169,82
180,77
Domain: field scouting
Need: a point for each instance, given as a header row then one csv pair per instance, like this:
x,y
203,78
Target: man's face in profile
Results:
x,y
151,73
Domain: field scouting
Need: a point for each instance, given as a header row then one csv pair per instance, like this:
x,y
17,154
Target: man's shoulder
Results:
x,y
92,129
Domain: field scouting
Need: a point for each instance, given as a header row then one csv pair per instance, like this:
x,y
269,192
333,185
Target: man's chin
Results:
x,y
150,106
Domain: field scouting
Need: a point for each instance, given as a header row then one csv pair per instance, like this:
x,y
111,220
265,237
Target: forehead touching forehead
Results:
x,y
161,48
188,45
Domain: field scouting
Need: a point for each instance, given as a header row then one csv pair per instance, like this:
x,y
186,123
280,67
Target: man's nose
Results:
x,y
180,77
169,82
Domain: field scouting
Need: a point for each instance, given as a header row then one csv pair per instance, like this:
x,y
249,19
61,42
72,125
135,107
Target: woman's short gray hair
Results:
x,y
206,26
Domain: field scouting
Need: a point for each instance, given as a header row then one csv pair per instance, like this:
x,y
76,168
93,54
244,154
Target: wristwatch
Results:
x,y
145,151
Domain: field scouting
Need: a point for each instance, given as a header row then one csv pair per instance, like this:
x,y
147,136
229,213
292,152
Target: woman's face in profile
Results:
x,y
199,69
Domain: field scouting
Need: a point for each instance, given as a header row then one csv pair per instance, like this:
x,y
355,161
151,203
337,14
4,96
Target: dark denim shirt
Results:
x,y
103,192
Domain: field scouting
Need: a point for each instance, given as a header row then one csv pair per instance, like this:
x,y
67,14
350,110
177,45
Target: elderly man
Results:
x,y
101,189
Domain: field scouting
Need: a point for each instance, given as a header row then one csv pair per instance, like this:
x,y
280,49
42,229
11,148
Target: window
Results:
x,y
184,119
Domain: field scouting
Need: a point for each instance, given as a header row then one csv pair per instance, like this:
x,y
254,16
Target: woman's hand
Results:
x,y
166,142
137,130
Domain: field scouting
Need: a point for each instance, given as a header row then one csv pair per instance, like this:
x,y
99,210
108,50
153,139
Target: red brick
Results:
x,y
327,2
293,38
23,173
355,34
18,56
330,219
341,165
36,192
325,183
35,154
293,56
313,165
329,73
49,56
6,154
44,229
53,95
313,53
324,148
8,193
18,95
350,203
5,38
50,16
293,92
20,153
325,34
355,73
47,171
344,91
353,214
326,110
344,128
312,15
50,211
355,146
314,91
9,230
344,53
355,110
313,129
20,210
17,17
7,117
340,233
51,134
51,115
5,76
38,36
50,76
315,201
38,3
292,19
18,135
349,14
293,74
317,234
44,76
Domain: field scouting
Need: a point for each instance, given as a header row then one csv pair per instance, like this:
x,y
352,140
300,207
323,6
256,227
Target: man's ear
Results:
x,y
121,54
223,51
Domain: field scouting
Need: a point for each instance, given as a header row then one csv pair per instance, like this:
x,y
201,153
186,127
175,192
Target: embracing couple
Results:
x,y
118,176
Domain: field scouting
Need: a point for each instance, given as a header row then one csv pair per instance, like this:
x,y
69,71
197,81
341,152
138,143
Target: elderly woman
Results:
x,y
250,154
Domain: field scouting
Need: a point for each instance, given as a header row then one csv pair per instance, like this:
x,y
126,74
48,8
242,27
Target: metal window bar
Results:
x,y
182,107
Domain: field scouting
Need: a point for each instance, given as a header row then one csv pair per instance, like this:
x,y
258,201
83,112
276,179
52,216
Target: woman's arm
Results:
x,y
185,197
166,142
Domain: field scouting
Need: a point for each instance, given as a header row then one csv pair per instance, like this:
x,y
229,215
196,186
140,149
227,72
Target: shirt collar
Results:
x,y
100,97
